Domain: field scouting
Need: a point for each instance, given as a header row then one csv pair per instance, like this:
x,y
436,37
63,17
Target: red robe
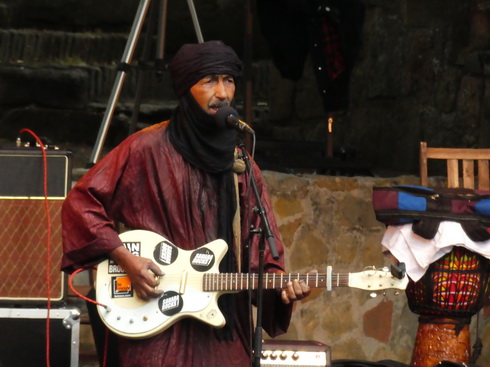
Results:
x,y
145,184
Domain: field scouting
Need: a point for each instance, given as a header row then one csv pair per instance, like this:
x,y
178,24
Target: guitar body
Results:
x,y
129,316
192,284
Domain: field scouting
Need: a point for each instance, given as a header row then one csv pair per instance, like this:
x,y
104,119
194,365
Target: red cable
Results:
x,y
106,347
48,262
70,284
48,239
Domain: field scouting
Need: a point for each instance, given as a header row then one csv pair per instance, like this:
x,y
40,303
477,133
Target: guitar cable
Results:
x,y
87,299
48,255
72,287
48,240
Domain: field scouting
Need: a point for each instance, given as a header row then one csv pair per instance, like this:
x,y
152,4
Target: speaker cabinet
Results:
x,y
24,337
24,225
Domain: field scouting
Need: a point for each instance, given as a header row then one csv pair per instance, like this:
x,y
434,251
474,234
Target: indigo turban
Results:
x,y
194,61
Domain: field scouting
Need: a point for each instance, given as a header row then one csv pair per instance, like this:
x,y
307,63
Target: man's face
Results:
x,y
213,92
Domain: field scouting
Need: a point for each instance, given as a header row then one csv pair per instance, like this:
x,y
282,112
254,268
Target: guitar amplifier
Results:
x,y
24,225
303,353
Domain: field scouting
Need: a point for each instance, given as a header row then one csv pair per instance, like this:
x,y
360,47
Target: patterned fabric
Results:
x,y
454,286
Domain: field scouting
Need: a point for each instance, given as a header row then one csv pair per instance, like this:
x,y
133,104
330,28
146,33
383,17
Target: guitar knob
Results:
x,y
283,356
295,356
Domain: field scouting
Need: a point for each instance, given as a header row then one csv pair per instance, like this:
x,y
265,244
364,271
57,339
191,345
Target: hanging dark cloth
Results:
x,y
327,30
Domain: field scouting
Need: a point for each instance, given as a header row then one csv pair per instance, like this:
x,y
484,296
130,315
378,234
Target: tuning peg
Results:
x,y
398,271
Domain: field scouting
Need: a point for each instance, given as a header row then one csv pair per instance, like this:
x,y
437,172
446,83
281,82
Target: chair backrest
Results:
x,y
474,165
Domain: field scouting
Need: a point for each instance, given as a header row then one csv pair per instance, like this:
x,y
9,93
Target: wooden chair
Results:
x,y
468,157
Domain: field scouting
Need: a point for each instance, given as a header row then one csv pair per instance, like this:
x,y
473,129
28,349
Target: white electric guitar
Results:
x,y
192,285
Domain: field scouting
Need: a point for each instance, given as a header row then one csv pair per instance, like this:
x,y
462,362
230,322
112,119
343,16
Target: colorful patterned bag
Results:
x,y
426,207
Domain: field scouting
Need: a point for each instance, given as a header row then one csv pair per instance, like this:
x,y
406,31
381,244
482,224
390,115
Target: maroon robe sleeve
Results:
x,y
89,232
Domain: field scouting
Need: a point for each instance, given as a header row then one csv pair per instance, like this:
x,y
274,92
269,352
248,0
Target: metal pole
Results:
x,y
121,75
162,30
248,54
197,28
143,66
127,58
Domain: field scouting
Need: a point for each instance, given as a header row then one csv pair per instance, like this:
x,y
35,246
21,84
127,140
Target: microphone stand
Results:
x,y
265,234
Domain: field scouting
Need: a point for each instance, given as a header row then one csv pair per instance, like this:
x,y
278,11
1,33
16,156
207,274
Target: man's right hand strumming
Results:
x,y
143,272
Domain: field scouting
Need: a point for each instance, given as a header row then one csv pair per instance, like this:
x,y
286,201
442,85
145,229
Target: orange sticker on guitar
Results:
x,y
121,287
123,284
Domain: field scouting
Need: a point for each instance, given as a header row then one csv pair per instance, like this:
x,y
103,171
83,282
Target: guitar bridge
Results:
x,y
183,282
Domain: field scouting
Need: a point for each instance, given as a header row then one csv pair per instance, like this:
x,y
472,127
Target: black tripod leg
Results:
x,y
121,75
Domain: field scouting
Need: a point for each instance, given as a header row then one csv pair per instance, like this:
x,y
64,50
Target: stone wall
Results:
x,y
421,74
330,221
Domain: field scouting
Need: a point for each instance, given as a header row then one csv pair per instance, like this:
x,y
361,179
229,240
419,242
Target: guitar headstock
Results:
x,y
374,279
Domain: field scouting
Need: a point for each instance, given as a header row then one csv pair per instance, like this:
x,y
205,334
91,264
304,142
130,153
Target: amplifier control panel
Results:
x,y
295,353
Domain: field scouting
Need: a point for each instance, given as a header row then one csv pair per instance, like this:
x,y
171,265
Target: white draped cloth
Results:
x,y
418,253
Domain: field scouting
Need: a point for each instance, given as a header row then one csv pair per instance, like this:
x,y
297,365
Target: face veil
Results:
x,y
206,144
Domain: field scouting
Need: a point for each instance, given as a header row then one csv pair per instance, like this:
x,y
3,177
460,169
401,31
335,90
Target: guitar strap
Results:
x,y
238,168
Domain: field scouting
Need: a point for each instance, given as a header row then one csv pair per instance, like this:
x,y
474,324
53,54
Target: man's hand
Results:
x,y
143,272
296,290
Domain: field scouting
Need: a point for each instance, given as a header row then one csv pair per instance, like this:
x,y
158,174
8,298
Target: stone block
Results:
x,y
49,87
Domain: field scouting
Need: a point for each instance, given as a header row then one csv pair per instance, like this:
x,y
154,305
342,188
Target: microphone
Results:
x,y
228,116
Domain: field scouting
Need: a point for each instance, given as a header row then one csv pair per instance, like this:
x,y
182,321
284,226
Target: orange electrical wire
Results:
x,y
48,241
48,261
72,287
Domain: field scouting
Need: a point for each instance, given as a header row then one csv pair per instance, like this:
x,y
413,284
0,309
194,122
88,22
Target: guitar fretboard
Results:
x,y
242,281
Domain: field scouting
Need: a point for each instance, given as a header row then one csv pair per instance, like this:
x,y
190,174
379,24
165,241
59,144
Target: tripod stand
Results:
x,y
124,64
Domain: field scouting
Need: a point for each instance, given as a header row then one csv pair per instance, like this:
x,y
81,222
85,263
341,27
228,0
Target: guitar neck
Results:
x,y
242,281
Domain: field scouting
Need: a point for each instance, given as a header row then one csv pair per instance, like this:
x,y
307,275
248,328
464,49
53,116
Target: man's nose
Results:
x,y
220,90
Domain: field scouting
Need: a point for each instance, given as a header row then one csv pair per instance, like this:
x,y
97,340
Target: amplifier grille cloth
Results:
x,y
24,250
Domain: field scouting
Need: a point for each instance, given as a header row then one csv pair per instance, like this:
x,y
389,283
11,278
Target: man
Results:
x,y
177,179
